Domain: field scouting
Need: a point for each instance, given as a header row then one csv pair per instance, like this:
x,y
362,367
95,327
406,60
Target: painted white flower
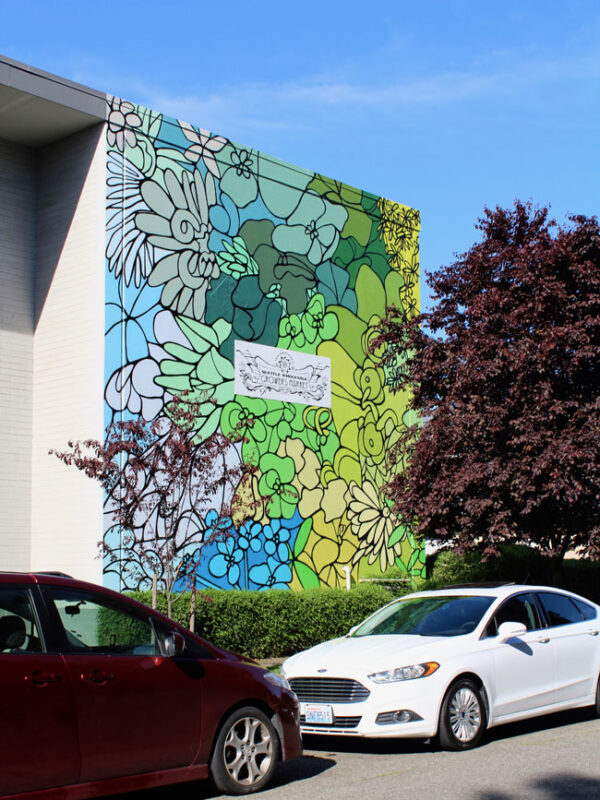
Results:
x,y
373,523
204,146
122,120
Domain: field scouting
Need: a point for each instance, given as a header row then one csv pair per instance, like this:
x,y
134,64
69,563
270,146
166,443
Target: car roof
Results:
x,y
499,591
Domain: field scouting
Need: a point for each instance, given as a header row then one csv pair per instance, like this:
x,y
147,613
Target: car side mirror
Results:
x,y
508,630
352,629
174,644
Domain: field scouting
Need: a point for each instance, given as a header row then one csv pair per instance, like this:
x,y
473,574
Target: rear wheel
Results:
x,y
597,706
463,716
246,752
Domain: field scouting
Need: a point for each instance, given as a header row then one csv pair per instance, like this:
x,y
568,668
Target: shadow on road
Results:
x,y
288,772
555,787
546,722
345,744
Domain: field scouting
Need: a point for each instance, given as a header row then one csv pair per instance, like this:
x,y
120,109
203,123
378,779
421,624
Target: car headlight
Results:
x,y
277,680
405,673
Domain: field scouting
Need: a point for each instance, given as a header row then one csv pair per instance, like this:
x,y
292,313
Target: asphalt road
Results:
x,y
549,758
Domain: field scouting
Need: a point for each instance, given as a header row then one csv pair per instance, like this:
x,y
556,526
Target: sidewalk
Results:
x,y
268,663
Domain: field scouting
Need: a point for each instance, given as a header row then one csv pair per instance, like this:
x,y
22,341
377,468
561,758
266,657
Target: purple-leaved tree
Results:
x,y
159,482
505,374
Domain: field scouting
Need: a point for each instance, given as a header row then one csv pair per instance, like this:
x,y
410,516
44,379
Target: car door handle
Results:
x,y
593,632
542,639
39,678
97,676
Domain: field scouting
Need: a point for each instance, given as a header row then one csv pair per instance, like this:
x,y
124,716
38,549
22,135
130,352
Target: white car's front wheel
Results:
x,y
463,716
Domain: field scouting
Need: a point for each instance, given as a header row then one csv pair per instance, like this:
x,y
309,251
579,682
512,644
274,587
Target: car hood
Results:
x,y
346,656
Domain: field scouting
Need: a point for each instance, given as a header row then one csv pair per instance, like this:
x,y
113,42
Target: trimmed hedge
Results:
x,y
275,623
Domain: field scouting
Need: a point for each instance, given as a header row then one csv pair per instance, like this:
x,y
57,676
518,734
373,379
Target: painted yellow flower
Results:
x,y
373,523
319,490
329,548
248,503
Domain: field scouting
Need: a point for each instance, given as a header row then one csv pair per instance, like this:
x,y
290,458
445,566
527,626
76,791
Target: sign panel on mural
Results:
x,y
276,374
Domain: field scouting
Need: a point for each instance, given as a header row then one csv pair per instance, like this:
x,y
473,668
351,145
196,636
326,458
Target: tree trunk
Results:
x,y
193,610
154,586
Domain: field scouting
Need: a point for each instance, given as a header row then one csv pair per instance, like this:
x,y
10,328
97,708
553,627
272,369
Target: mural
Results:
x,y
210,244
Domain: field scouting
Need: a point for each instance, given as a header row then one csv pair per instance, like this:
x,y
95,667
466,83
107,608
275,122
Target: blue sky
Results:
x,y
445,106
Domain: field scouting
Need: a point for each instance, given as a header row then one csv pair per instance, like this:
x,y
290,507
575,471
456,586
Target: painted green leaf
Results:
x,y
393,283
303,535
397,536
306,576
358,225
369,293
400,564
174,383
350,333
181,353
176,368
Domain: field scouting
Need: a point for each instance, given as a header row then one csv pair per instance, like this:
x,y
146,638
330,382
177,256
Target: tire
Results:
x,y
463,716
596,707
246,752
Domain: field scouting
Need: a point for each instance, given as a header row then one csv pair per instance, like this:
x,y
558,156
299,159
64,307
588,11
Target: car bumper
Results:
x,y
409,710
287,724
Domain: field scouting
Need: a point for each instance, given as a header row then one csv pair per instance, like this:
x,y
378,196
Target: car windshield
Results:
x,y
439,615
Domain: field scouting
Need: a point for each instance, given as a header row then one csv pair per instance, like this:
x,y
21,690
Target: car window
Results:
x,y
19,630
521,608
588,611
94,624
559,609
437,615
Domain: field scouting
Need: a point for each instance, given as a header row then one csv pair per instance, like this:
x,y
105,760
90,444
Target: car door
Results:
x,y
137,709
524,674
576,641
38,738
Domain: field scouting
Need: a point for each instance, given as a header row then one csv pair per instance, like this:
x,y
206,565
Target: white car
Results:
x,y
451,663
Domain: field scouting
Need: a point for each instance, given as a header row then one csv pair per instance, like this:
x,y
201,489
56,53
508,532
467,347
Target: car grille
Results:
x,y
329,690
338,722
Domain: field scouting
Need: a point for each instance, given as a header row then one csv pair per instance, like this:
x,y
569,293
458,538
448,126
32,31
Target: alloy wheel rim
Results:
x,y
465,715
248,751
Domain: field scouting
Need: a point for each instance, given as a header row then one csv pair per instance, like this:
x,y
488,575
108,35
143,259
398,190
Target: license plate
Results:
x,y
317,713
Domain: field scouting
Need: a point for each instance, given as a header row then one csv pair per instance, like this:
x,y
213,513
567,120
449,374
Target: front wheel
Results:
x,y
463,716
246,752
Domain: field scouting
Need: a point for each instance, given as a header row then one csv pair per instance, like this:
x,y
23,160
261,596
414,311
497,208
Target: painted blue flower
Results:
x,y
272,574
226,561
250,536
276,537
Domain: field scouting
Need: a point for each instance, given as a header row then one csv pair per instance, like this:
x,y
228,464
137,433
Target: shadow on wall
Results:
x,y
61,171
555,787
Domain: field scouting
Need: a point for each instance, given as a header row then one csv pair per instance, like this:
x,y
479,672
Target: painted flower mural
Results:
x,y
210,243
178,221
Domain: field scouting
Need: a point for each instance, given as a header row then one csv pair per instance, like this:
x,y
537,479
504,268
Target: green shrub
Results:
x,y
276,623
516,564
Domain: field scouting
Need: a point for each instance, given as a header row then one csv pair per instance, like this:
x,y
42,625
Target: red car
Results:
x,y
100,694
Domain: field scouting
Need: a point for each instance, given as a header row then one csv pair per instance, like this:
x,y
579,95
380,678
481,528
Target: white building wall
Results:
x,y
68,352
17,189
